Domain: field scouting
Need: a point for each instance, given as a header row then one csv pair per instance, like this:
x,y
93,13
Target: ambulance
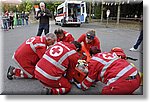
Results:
x,y
71,13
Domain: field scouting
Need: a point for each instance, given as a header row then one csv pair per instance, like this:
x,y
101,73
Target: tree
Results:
x,y
26,6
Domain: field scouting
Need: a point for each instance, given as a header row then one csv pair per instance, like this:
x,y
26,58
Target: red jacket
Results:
x,y
107,68
30,52
67,38
95,42
58,60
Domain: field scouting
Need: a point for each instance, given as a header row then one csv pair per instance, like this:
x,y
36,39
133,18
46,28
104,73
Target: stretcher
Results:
x,y
81,71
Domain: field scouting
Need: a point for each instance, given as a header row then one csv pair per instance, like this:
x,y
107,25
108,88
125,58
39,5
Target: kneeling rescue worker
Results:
x,y
28,54
57,66
118,75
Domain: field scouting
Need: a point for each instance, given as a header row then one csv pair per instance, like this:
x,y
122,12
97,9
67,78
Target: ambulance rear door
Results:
x,y
83,12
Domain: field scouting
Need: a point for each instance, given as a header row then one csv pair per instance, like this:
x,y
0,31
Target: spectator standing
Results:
x,y
26,18
6,22
140,38
22,17
43,15
11,17
17,19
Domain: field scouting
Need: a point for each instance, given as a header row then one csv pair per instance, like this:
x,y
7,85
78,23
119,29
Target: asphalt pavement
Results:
x,y
109,38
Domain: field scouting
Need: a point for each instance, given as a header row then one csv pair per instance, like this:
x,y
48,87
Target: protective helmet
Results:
x,y
90,34
119,51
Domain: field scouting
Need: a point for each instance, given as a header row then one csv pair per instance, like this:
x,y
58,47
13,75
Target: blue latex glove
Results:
x,y
78,85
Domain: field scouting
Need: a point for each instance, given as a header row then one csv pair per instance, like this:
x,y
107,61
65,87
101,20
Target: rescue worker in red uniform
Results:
x,y
89,39
120,76
58,60
28,54
63,36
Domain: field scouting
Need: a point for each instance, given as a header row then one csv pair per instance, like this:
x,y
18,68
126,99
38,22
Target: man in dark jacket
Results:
x,y
43,15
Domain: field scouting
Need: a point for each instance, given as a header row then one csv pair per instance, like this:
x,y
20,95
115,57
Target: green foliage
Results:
x,y
53,5
8,7
27,6
97,11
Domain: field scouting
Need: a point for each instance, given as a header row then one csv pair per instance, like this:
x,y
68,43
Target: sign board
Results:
x,y
108,13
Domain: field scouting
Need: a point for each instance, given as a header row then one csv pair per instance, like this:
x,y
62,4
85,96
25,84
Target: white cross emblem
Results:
x,y
56,51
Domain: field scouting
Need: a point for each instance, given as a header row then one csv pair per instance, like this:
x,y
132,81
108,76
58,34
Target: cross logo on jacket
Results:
x,y
56,51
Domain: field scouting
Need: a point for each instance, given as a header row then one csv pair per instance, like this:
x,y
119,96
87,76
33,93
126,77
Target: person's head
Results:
x,y
90,35
59,33
94,50
119,52
50,39
42,6
77,45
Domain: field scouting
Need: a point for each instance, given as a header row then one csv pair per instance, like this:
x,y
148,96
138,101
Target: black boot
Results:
x,y
10,72
46,91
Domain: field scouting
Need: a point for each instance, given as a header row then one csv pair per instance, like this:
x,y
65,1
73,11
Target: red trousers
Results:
x,y
122,87
25,70
18,73
61,86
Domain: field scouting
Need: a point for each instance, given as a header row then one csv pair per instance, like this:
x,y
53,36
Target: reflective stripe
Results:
x,y
99,60
35,45
63,90
32,47
41,38
21,74
89,79
106,65
39,44
57,91
54,62
84,85
28,74
67,34
105,68
66,55
121,73
38,69
134,73
64,45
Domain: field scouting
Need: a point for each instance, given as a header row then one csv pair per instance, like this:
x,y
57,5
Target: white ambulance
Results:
x,y
71,12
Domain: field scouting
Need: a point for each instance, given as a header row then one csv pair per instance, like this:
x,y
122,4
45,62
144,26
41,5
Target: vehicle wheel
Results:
x,y
56,23
78,25
62,23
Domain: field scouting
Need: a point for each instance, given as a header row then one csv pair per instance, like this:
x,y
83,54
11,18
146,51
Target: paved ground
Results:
x,y
109,37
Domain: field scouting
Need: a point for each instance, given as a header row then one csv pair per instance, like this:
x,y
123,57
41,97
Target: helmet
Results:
x,y
90,34
119,51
